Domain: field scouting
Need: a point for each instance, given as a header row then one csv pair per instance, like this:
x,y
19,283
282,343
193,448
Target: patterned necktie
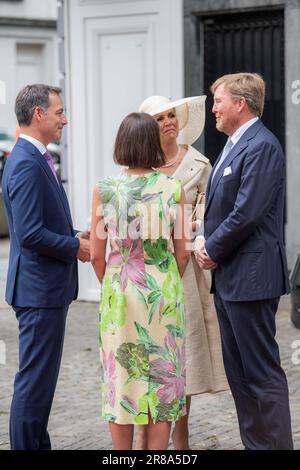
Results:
x,y
226,150
49,160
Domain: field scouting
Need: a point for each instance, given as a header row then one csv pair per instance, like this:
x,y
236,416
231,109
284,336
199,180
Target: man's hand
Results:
x,y
202,258
84,234
83,253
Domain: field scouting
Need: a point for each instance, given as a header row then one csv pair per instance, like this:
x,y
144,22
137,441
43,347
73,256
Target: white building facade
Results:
x,y
28,50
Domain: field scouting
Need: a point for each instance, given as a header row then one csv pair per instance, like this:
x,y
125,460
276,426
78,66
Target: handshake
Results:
x,y
83,253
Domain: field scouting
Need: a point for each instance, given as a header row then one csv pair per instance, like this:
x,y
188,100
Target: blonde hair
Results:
x,y
249,85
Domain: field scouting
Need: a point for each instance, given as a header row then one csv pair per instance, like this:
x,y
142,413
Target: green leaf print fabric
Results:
x,y
141,313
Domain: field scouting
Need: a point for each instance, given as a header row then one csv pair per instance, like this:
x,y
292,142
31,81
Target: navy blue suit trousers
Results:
x,y
41,336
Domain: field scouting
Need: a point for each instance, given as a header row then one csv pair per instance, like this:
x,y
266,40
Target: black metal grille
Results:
x,y
245,42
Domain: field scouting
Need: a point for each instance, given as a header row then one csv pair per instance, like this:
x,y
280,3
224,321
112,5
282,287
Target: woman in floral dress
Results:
x,y
181,123
142,317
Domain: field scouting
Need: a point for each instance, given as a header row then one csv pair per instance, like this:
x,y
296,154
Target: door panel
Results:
x,y
30,64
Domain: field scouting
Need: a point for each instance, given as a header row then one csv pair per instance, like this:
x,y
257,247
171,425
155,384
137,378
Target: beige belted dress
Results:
x,y
204,362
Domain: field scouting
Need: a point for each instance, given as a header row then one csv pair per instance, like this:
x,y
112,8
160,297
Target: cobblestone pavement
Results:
x,y
75,421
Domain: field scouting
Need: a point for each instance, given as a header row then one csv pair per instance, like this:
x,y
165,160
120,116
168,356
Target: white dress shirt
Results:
x,y
41,147
235,137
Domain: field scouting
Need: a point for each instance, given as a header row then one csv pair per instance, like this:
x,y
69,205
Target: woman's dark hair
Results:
x,y
137,143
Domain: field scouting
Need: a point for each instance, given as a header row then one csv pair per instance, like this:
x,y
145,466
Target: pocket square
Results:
x,y
227,171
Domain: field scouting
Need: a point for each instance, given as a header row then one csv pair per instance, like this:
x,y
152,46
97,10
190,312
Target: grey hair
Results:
x,y
31,97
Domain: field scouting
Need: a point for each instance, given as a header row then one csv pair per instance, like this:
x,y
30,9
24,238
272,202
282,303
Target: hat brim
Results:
x,y
190,113
175,104
191,118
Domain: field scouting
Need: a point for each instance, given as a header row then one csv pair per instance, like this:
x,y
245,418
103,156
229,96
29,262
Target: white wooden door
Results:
x,y
119,52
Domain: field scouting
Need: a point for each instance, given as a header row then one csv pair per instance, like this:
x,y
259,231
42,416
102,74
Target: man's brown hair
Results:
x,y
249,85
31,97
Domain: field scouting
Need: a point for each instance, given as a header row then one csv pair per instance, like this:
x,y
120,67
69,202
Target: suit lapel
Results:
x,y
210,177
235,151
57,187
65,202
40,159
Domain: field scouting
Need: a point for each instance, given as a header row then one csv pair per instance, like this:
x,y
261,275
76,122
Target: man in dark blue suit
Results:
x,y
243,245
42,274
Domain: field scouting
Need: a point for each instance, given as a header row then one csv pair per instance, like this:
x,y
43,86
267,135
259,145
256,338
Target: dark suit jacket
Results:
x,y
42,268
243,222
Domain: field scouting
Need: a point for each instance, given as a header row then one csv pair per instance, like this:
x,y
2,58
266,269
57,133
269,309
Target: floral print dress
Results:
x,y
141,314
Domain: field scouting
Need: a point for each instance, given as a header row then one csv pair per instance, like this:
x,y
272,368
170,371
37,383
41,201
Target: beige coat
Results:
x,y
204,362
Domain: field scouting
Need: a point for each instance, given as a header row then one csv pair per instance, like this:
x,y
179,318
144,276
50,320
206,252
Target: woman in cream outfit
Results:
x,y
183,121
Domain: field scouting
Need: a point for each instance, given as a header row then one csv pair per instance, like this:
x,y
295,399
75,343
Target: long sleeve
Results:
x,y
26,194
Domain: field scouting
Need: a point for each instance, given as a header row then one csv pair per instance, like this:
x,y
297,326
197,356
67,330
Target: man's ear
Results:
x,y
241,104
38,113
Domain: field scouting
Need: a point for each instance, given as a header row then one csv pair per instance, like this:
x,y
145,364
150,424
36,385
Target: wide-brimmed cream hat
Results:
x,y
190,113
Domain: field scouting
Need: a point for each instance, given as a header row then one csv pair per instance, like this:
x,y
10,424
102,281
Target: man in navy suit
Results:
x,y
243,245
42,273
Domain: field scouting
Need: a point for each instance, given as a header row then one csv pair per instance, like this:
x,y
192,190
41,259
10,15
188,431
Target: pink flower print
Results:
x,y
110,393
109,366
131,259
169,372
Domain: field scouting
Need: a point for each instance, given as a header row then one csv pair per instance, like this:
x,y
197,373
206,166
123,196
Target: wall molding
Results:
x,y
27,23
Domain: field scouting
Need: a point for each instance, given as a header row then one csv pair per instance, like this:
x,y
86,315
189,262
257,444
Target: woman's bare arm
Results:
x,y
98,239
